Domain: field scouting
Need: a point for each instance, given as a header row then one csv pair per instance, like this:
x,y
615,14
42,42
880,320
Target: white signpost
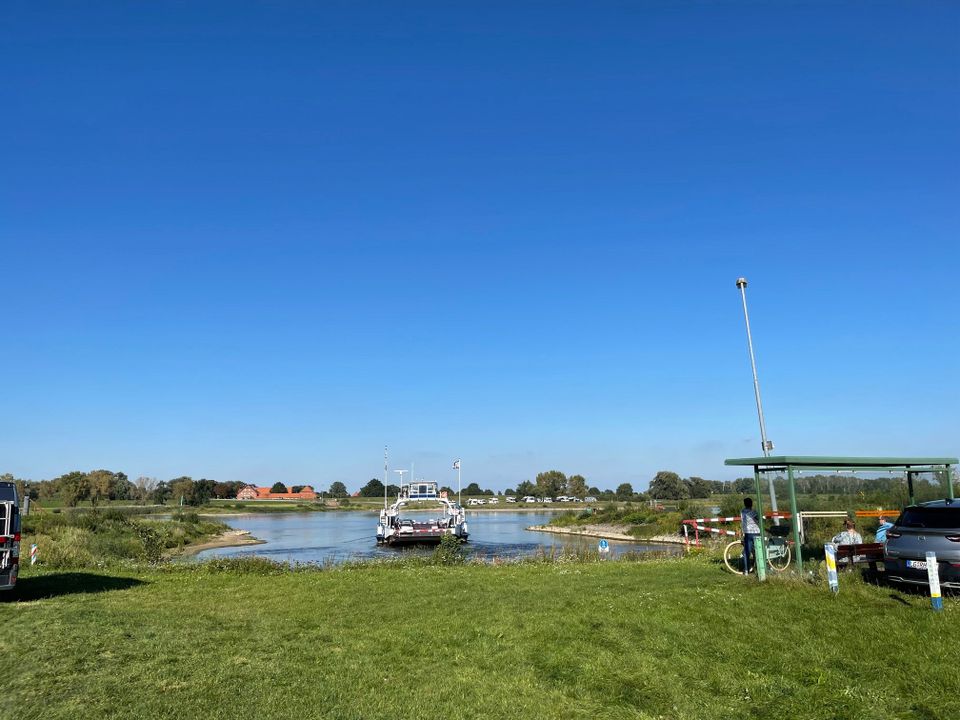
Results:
x,y
831,553
933,576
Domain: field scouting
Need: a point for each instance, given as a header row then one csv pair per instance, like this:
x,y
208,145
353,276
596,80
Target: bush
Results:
x,y
450,551
151,545
70,550
245,566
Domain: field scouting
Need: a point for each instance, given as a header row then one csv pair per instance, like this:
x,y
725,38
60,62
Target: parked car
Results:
x,y
589,498
476,501
510,498
932,526
528,499
548,499
493,501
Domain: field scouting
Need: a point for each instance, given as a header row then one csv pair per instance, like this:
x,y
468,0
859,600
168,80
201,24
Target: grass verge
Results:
x,y
658,639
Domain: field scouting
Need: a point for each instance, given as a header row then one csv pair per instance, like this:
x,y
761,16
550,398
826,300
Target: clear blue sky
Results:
x,y
260,241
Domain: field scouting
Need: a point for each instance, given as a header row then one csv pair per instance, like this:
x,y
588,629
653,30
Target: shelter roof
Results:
x,y
815,461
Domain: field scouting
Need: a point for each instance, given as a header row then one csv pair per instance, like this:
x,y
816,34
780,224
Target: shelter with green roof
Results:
x,y
911,466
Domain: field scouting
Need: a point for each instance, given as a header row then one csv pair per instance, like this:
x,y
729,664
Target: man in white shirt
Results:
x,y
750,527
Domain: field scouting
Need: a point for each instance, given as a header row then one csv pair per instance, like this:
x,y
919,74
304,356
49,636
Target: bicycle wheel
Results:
x,y
733,557
779,557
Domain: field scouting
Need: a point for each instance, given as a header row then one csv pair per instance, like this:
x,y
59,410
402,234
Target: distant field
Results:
x,y
659,639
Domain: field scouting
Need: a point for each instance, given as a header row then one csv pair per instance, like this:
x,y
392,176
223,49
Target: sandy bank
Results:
x,y
230,538
610,532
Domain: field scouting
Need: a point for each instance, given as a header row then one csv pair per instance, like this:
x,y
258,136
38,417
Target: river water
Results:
x,y
321,537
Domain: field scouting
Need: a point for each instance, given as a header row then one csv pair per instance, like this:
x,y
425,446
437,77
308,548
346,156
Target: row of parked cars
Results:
x,y
559,498
531,499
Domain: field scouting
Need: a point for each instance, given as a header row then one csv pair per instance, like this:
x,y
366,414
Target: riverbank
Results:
x,y
609,532
230,538
639,640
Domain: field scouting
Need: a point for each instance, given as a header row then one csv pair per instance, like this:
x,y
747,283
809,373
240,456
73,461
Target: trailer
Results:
x,y
9,535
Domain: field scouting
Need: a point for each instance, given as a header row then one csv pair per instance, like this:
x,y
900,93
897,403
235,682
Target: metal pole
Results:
x,y
384,477
760,546
795,516
764,444
459,501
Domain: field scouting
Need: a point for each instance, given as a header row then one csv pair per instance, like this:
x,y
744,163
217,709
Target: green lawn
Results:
x,y
665,638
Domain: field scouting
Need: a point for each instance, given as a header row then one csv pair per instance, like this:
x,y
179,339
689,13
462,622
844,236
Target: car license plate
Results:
x,y
918,564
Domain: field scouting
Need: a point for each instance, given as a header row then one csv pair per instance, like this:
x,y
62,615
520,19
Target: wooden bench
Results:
x,y
849,555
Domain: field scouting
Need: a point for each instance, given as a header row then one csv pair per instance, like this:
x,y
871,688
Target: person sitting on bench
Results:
x,y
849,536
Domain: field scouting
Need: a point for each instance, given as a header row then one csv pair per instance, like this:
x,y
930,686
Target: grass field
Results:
x,y
670,639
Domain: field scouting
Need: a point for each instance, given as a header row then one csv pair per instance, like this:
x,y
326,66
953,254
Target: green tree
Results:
x,y
667,485
577,486
122,487
226,490
100,483
73,487
374,488
698,487
526,488
472,489
746,485
551,483
624,491
278,487
338,490
182,487
160,493
509,491
297,488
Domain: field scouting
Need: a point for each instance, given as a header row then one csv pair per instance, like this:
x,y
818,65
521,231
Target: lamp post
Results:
x,y
765,444
401,474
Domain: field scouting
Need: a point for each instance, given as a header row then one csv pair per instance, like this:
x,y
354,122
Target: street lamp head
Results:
x,y
741,283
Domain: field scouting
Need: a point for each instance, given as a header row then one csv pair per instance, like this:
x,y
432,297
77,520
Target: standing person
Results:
x,y
849,535
885,525
750,528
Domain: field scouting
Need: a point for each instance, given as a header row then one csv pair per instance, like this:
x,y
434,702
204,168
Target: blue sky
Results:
x,y
261,241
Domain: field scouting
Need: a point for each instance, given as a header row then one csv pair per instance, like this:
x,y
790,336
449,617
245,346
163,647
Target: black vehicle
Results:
x,y
932,526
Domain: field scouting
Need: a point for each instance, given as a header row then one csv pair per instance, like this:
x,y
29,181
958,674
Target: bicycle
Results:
x,y
778,551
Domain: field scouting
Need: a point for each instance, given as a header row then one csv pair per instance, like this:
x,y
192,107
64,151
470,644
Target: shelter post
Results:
x,y
760,547
910,485
946,469
795,516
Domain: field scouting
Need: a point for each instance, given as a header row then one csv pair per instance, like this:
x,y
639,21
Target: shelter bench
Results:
x,y
849,555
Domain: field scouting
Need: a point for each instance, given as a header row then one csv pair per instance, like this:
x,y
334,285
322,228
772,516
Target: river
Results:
x,y
322,537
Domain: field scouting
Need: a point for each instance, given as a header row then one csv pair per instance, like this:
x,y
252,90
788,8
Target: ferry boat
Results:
x,y
395,530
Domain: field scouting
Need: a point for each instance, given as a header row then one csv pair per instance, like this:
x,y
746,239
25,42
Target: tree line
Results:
x,y
102,485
